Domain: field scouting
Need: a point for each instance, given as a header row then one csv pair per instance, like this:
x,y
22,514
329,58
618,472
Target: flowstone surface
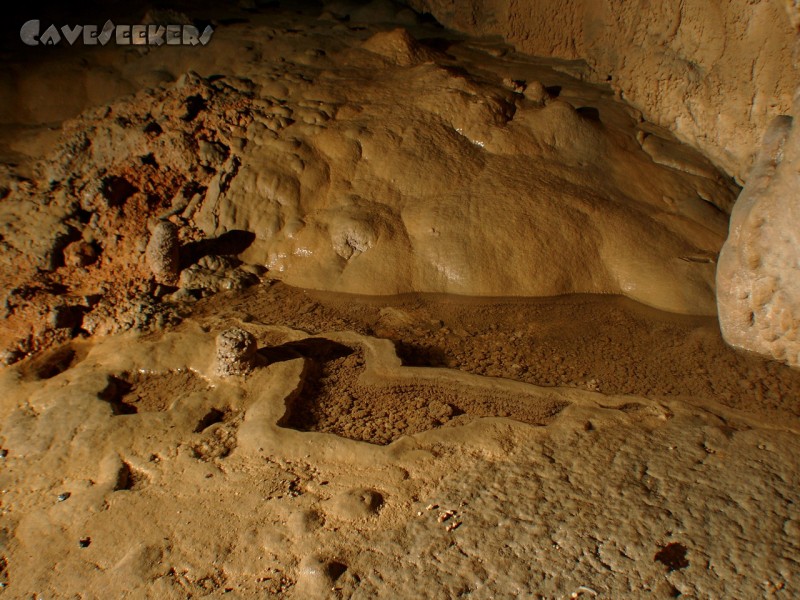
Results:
x,y
213,491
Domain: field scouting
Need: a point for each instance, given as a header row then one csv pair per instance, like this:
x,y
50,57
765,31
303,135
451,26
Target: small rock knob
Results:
x,y
163,252
236,352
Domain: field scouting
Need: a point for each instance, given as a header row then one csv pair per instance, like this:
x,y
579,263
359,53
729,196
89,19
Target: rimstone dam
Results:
x,y
369,299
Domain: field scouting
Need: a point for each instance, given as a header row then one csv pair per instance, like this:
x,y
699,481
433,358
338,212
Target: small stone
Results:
x,y
212,153
79,254
444,516
440,411
454,525
536,92
236,352
163,252
516,85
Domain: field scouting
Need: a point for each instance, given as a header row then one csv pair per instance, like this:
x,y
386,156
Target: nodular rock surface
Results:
x,y
758,276
714,72
378,159
419,445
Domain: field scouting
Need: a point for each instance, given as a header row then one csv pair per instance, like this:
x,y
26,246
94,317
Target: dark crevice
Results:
x,y
116,389
128,478
554,91
229,243
116,190
672,555
419,355
212,417
590,113
194,105
53,363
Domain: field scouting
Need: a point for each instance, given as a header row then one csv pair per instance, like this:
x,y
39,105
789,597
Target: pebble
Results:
x,y
163,252
236,352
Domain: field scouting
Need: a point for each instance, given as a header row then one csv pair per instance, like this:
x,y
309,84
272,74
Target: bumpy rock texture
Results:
x,y
74,226
163,252
159,485
758,277
236,352
431,175
352,158
571,447
715,72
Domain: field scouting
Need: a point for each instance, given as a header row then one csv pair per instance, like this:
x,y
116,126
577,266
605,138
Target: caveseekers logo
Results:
x,y
123,35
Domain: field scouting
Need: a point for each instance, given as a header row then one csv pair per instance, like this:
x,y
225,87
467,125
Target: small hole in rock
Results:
x,y
589,112
336,569
128,478
211,418
194,104
673,556
153,129
114,393
53,363
420,355
554,91
116,190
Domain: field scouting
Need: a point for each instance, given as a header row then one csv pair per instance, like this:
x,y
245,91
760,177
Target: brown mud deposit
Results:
x,y
270,330
333,401
599,343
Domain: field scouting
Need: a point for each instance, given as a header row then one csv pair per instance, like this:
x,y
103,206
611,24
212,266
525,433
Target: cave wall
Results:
x,y
715,72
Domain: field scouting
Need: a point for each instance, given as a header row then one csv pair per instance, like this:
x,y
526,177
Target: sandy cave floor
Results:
x,y
414,445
